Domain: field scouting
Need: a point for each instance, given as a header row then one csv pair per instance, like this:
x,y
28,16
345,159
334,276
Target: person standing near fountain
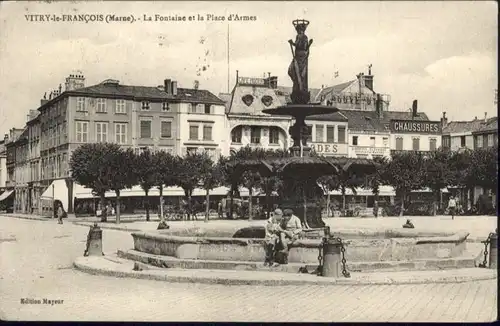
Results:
x,y
273,230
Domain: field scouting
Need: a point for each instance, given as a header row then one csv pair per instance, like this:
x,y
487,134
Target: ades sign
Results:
x,y
325,148
415,127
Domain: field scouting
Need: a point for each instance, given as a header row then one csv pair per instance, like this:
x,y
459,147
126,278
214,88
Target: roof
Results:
x,y
332,89
476,125
285,91
256,95
147,92
369,120
226,98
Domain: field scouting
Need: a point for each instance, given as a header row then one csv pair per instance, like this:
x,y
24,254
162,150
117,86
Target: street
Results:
x,y
37,265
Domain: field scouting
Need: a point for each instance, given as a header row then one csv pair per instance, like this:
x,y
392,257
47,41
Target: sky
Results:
x,y
444,54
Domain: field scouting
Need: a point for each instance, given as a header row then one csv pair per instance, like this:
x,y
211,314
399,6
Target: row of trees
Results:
x,y
106,167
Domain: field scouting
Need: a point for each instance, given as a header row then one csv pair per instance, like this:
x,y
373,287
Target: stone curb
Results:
x,y
122,268
105,226
27,217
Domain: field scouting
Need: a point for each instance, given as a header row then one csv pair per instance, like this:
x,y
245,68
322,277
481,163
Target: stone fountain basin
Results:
x,y
388,245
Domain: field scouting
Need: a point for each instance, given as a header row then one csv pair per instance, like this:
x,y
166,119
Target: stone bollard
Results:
x,y
332,260
94,242
493,250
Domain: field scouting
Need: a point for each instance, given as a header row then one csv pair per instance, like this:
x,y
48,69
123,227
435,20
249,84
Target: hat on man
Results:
x,y
288,212
278,211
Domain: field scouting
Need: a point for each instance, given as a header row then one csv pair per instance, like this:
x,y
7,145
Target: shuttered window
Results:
x,y
399,143
207,132
145,129
166,129
341,139
330,134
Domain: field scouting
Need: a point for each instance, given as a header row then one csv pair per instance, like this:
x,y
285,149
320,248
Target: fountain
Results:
x,y
406,249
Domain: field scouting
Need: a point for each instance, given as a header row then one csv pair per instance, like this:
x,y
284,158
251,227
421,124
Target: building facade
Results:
x,y
246,124
469,134
3,165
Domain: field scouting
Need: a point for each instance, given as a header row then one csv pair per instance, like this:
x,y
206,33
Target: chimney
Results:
x,y
6,137
237,73
361,79
273,82
414,108
379,106
369,81
168,84
444,120
174,88
485,116
73,81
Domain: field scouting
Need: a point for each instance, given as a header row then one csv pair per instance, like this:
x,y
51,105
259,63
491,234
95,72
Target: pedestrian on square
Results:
x,y
291,229
273,230
60,213
452,206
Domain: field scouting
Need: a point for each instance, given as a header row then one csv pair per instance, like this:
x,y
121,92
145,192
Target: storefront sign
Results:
x,y
251,81
329,149
415,127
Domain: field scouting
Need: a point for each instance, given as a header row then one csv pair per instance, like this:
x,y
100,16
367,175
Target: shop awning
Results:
x,y
81,192
383,191
57,191
6,194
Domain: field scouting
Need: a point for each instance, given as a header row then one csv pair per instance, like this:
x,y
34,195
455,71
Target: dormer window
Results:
x,y
165,106
145,106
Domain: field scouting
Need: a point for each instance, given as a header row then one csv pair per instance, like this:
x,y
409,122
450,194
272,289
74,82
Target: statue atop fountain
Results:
x,y
299,66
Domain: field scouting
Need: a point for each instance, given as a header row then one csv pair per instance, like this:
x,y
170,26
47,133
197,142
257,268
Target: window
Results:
x,y
145,128
145,106
166,129
193,132
236,135
121,133
208,109
355,140
479,141
330,134
64,163
120,106
372,141
446,141
490,140
165,106
80,104
462,141
207,132
485,141
319,133
432,144
82,131
341,139
192,107
274,135
309,134
385,141
101,132
255,135
101,105
399,143
416,143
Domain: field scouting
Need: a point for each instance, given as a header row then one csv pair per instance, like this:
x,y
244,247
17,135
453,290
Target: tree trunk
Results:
x,y
343,199
402,203
162,215
104,216
328,205
190,206
146,191
117,211
250,215
231,202
207,208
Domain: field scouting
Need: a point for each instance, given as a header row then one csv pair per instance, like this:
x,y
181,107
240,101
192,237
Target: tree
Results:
x,y
121,169
405,172
190,171
103,167
484,169
165,165
88,165
437,174
211,178
146,171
